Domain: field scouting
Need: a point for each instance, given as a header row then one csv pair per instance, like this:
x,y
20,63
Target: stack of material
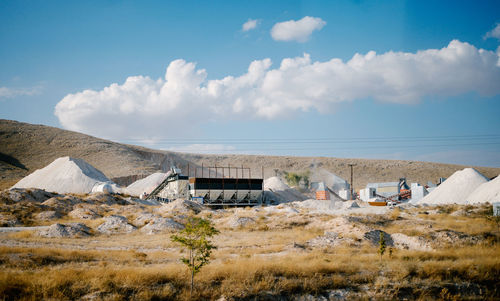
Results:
x,y
322,192
486,193
456,189
277,191
66,175
146,185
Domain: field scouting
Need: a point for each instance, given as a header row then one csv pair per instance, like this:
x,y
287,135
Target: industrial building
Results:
x,y
386,190
212,191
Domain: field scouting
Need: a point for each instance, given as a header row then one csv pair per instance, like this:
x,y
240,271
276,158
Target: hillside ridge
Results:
x,y
26,147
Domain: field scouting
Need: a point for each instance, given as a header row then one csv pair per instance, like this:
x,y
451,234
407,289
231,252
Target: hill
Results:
x,y
26,147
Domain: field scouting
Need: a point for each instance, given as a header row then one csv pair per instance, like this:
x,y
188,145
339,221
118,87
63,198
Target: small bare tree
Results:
x,y
195,237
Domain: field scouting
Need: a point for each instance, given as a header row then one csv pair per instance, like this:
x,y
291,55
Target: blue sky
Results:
x,y
425,84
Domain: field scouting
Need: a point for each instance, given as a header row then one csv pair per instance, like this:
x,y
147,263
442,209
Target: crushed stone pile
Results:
x,y
240,221
48,215
64,175
65,230
319,205
115,224
161,224
280,209
83,213
277,191
104,198
61,204
329,206
143,218
9,220
181,206
456,189
29,195
373,237
441,238
329,239
486,193
147,185
402,241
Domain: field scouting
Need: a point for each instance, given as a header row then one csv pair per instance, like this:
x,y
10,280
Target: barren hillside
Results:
x,y
26,147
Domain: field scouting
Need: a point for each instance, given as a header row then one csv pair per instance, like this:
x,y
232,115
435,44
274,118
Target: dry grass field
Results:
x,y
269,255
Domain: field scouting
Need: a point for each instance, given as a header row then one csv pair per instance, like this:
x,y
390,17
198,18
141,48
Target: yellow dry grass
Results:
x,y
254,263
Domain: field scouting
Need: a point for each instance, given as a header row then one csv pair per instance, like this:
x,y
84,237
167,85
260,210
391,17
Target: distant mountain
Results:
x,y
26,147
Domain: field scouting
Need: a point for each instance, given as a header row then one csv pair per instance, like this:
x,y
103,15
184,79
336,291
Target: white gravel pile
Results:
x,y
115,224
320,206
147,185
48,215
64,175
240,221
486,193
83,213
181,206
281,193
65,230
456,189
161,224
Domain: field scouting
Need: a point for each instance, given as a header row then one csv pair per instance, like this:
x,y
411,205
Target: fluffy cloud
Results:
x,y
12,92
494,33
296,30
147,108
249,25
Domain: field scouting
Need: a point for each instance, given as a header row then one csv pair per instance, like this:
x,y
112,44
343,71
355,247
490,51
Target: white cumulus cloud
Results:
x,y
184,99
296,30
249,25
494,33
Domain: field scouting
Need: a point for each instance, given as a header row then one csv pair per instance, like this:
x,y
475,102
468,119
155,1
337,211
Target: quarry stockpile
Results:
x,y
65,175
486,193
331,180
278,191
146,185
456,189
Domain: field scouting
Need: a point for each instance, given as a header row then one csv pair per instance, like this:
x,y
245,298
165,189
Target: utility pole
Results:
x,y
352,188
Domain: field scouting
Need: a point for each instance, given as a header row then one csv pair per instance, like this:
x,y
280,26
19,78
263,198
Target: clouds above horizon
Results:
x,y
494,33
299,31
185,98
6,92
249,25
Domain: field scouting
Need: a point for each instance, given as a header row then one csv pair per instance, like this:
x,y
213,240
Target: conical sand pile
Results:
x,y
64,175
486,193
456,189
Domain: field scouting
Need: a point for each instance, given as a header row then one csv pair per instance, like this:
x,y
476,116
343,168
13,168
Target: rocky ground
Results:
x,y
420,241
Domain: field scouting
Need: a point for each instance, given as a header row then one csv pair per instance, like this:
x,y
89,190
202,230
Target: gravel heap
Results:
x,y
64,175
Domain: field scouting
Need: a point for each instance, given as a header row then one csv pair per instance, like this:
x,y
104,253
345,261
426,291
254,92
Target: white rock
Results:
x,y
161,224
486,193
240,221
115,224
403,241
147,185
64,175
48,215
65,230
83,213
456,189
279,192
